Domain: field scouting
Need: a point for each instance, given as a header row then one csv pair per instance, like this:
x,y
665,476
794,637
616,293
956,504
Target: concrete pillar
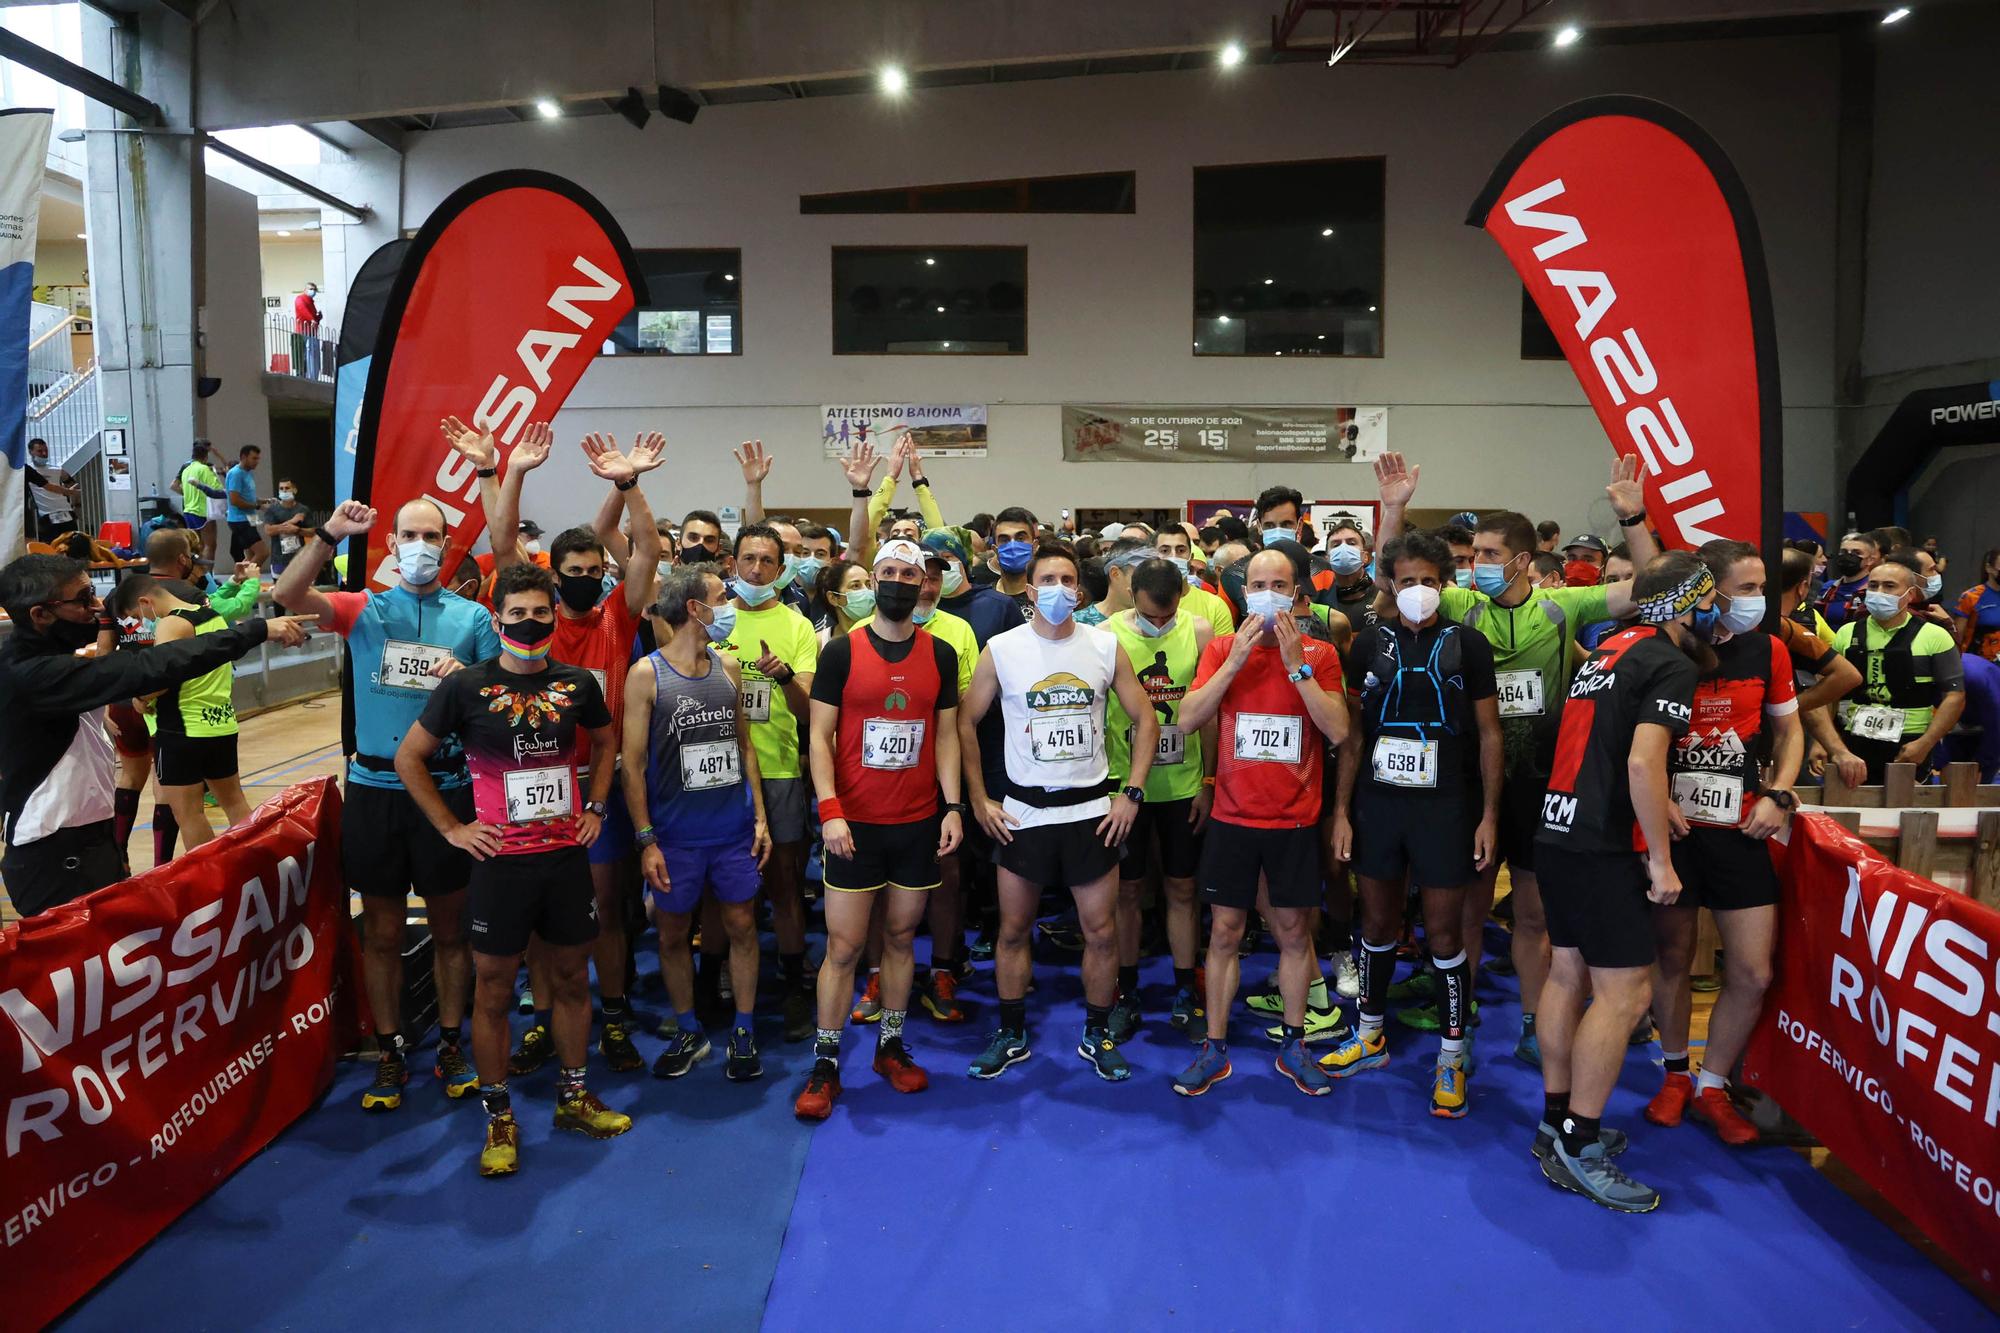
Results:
x,y
371,176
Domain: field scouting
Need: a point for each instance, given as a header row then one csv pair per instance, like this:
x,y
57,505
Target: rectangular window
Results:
x,y
1099,192
1538,340
694,306
924,300
1288,258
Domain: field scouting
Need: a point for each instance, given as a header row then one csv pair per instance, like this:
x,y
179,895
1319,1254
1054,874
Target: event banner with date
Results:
x,y
156,1034
1129,432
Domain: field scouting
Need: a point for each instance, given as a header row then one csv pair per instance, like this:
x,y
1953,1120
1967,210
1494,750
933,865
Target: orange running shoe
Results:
x,y
822,1086
1671,1101
940,997
869,1008
893,1062
1713,1105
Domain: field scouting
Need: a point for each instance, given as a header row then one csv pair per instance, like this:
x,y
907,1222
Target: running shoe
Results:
x,y
502,1154
1419,985
822,1087
525,1004
1266,999
587,1115
617,1049
669,1025
1102,1054
1002,1053
1469,1062
1210,1067
1248,944
1187,1012
535,1050
801,1012
1449,1094
1713,1107
981,948
1322,1025
1670,1103
1596,1177
1528,1050
1346,976
1424,1017
939,997
1062,933
1296,1065
1363,1050
1644,1033
684,1052
1124,1019
893,1062
1614,1140
868,1009
386,1092
454,1071
743,1064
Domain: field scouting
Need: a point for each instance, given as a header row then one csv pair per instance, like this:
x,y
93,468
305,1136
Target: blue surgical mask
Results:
x,y
1744,614
1152,631
1180,562
860,603
417,562
1704,621
1054,601
1884,605
954,582
1345,559
1464,577
753,594
809,569
1268,604
722,624
922,615
1490,579
788,573
1933,585
1014,556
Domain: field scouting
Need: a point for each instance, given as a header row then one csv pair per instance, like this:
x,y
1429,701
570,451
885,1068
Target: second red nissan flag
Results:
x,y
507,294
1636,240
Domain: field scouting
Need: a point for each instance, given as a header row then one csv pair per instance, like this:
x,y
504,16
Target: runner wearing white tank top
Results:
x,y
1057,824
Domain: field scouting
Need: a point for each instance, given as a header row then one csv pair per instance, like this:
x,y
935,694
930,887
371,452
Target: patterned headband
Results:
x,y
1674,602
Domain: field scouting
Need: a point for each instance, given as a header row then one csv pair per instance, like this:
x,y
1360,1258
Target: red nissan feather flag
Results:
x,y
1636,239
508,292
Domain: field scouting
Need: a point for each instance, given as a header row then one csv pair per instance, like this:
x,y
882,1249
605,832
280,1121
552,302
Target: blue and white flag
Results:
x,y
24,150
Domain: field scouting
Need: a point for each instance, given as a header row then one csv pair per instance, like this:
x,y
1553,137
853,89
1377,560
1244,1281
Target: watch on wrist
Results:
x,y
1304,672
1633,521
325,536
625,485
861,494
486,472
920,481
594,808
1136,795
957,808
645,837
1784,798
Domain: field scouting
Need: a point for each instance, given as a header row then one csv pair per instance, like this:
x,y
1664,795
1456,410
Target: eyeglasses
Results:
x,y
86,599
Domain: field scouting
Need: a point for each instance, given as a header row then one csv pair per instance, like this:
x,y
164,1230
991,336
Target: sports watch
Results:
x,y
1304,672
1784,798
1136,795
594,808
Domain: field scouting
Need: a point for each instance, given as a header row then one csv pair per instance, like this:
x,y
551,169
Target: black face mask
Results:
x,y
528,633
694,555
580,592
1845,565
74,634
896,602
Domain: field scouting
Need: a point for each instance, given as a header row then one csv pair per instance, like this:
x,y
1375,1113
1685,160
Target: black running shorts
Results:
x,y
1596,903
1233,857
1521,793
1724,871
1425,835
1070,855
184,761
902,856
532,893
389,848
1162,836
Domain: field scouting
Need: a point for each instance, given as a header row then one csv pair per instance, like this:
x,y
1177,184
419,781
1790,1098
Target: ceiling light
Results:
x,y
1231,57
1222,319
549,108
947,344
1895,16
893,80
940,310
1322,337
929,260
1568,36
729,277
1326,231
1371,309
1277,354
1269,281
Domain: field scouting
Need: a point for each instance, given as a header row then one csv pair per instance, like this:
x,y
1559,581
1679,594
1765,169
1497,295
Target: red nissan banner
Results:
x,y
156,1034
1881,1034
506,295
1636,240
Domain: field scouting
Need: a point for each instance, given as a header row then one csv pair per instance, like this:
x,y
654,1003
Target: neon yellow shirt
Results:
x,y
1215,610
774,729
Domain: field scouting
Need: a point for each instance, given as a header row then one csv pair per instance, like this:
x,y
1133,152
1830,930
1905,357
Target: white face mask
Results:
x,y
1417,604
1268,604
1884,605
1744,614
1933,585
417,562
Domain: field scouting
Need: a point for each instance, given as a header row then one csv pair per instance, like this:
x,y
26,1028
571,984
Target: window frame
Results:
x,y
736,332
1023,186
833,286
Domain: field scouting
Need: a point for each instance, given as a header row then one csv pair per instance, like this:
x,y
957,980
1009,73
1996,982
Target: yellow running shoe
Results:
x,y
587,1115
1363,1050
1449,1092
386,1092
502,1154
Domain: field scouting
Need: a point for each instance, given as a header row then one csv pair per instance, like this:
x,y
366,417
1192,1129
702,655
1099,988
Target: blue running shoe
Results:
x,y
1296,1065
1006,1050
1210,1067
1528,1050
1102,1053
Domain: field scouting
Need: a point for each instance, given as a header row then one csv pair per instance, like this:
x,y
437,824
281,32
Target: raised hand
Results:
x,y
899,455
1626,492
247,571
648,451
601,451
476,445
859,465
756,464
532,449
351,517
912,456
1394,482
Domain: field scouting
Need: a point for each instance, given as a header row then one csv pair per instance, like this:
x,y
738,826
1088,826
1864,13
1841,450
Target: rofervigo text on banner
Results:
x,y
1635,237
156,1034
1881,1034
506,295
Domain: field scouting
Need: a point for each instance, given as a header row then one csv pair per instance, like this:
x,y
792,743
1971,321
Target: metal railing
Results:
x,y
50,359
67,412
304,351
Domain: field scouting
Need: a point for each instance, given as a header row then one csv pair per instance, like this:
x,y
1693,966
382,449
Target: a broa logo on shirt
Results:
x,y
1058,692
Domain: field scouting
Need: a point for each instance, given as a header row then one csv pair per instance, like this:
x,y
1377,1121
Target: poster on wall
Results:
x,y
1201,513
1323,513
941,430
1127,432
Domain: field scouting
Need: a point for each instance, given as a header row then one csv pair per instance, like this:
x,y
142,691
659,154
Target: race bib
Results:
x,y
288,544
535,794
1876,723
1059,740
757,700
407,666
598,676
1172,748
1402,762
1269,738
890,744
1710,798
709,764
1520,693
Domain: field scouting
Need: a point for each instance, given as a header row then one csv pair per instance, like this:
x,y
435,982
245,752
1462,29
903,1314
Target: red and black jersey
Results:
x,y
889,696
1716,763
1636,676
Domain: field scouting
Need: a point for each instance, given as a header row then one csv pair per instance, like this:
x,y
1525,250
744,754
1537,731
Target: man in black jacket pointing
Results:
x,y
57,764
